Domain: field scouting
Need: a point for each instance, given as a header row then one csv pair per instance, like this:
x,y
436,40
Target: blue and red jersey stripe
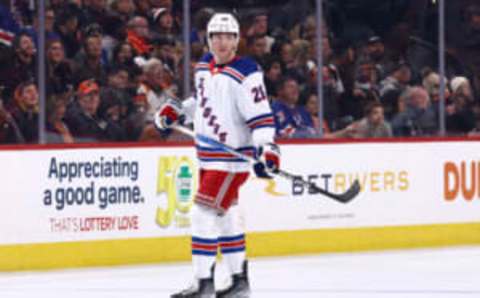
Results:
x,y
264,120
213,154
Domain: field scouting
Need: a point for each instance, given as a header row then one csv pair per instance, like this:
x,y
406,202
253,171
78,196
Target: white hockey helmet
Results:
x,y
222,23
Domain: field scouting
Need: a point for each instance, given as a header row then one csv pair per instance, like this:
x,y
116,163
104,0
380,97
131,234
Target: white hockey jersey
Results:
x,y
231,106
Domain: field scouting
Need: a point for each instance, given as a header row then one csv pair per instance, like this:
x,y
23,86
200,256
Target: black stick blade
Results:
x,y
345,197
351,193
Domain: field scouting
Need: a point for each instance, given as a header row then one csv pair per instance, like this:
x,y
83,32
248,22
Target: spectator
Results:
x,y
373,125
164,48
25,113
283,50
8,27
154,86
365,89
112,109
398,78
57,129
137,120
291,120
462,86
375,50
138,35
393,85
163,22
142,8
200,21
95,12
311,106
9,131
59,69
88,63
258,21
49,26
122,9
461,118
123,55
460,115
82,116
117,90
273,71
257,47
21,67
418,118
431,83
67,27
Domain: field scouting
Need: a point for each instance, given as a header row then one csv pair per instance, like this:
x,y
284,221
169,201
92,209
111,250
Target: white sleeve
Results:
x,y
188,107
253,104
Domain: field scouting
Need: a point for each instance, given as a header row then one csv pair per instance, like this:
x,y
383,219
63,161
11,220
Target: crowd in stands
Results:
x,y
110,64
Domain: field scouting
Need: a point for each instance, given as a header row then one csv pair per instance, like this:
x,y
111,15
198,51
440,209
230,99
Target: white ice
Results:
x,y
452,272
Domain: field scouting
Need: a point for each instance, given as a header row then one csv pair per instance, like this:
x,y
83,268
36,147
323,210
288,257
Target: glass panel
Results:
x,y
463,67
18,72
380,69
109,66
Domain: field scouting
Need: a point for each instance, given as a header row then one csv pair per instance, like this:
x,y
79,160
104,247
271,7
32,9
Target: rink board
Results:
x,y
112,205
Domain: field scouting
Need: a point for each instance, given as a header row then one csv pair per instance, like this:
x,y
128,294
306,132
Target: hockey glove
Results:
x,y
168,115
269,160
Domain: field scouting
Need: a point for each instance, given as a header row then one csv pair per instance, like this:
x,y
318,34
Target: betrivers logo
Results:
x,y
371,181
176,186
461,180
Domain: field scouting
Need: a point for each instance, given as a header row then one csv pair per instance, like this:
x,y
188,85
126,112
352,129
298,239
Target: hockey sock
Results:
x,y
232,239
204,240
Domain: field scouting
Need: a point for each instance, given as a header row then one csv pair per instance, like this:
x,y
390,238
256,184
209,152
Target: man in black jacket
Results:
x,y
83,120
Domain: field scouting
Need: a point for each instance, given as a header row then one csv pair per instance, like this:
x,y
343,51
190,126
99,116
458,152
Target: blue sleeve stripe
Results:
x,y
258,118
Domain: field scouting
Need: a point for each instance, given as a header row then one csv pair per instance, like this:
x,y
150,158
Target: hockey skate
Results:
x,y
240,287
202,288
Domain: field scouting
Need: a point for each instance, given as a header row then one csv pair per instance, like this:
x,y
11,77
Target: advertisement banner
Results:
x,y
90,194
402,184
61,195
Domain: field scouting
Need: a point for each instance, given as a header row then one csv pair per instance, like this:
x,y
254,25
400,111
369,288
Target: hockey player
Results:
x,y
231,106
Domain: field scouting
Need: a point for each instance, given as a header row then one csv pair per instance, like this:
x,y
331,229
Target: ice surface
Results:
x,y
449,272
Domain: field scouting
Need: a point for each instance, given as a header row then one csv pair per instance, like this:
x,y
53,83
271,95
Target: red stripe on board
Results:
x,y
36,147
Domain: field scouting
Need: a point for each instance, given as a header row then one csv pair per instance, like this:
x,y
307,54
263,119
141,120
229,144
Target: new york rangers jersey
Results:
x,y
231,106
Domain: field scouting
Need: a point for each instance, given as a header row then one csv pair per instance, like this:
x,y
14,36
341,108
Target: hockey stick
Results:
x,y
345,197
